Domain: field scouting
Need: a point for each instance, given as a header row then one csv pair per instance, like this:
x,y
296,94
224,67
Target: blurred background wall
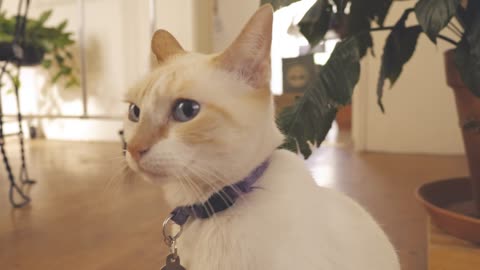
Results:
x,y
420,116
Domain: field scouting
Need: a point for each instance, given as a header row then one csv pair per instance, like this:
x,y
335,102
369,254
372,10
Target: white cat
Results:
x,y
199,123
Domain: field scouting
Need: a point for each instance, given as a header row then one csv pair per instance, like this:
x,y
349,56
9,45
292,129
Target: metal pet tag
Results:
x,y
173,263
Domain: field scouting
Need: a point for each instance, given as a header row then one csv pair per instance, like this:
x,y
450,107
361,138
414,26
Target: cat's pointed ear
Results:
x,y
164,45
249,55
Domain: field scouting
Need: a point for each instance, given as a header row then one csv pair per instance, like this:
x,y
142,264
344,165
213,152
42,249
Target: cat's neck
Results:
x,y
179,192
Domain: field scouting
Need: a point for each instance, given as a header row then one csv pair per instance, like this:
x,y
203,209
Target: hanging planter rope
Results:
x,y
16,58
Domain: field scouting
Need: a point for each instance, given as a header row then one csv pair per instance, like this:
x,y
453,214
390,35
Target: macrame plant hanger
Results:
x,y
17,196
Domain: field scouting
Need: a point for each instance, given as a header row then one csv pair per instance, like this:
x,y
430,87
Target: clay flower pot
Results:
x,y
454,204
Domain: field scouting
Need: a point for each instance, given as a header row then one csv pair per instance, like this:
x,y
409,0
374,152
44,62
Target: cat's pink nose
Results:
x,y
136,152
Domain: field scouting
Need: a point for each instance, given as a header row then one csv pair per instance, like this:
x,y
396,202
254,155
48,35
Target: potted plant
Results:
x,y
48,46
453,204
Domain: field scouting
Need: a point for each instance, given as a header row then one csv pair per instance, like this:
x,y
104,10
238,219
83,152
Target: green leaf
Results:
x,y
434,15
316,22
467,57
46,63
66,70
398,49
311,117
62,26
72,83
44,17
57,77
278,3
16,81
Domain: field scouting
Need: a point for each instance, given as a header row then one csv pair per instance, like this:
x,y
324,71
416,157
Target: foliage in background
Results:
x,y
310,118
54,41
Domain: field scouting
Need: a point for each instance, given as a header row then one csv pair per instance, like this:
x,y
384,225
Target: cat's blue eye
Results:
x,y
185,110
133,113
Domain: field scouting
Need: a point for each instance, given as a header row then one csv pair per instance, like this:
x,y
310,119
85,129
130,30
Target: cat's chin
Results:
x,y
156,178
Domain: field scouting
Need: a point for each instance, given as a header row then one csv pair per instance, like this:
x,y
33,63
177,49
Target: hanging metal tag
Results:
x,y
173,260
173,263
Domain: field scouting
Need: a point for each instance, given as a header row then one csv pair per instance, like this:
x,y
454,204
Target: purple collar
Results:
x,y
221,200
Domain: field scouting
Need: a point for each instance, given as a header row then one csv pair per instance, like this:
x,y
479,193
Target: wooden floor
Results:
x,y
85,215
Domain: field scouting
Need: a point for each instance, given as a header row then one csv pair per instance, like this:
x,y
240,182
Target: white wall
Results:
x,y
117,40
230,18
420,109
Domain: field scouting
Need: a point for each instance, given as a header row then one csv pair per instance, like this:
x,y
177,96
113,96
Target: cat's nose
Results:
x,y
137,152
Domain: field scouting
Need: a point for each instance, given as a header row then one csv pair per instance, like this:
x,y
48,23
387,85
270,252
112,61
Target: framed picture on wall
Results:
x,y
298,73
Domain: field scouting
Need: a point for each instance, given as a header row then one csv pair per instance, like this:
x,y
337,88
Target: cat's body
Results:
x,y
199,123
288,223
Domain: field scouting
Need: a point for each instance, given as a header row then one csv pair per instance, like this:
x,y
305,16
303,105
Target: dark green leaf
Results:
x,y
278,3
434,15
466,15
312,129
359,26
365,42
380,10
341,73
467,57
398,49
59,59
311,117
316,22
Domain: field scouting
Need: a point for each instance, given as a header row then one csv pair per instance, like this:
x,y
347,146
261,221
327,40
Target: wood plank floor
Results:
x,y
85,215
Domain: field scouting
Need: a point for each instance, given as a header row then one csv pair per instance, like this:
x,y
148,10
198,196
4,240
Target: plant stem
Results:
x,y
442,37
454,30
456,27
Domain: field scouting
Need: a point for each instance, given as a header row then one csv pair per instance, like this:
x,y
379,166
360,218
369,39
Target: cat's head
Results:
x,y
207,119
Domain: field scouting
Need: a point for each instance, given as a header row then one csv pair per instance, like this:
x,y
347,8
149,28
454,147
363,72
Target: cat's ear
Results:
x,y
164,45
249,54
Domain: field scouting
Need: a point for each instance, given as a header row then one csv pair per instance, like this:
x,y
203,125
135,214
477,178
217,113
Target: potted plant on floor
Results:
x,y
48,46
454,204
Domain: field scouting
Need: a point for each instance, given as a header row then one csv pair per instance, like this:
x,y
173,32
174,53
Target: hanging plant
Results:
x,y
42,45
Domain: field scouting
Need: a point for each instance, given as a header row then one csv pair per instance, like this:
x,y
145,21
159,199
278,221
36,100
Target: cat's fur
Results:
x,y
288,223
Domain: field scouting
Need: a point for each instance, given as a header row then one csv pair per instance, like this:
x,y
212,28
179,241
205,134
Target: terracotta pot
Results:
x,y
450,206
344,118
468,107
454,204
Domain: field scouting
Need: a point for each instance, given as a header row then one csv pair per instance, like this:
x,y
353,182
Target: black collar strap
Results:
x,y
221,200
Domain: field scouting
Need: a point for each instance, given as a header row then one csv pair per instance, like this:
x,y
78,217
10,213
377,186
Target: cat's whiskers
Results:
x,y
198,191
204,176
115,181
213,174
193,188
215,190
206,204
